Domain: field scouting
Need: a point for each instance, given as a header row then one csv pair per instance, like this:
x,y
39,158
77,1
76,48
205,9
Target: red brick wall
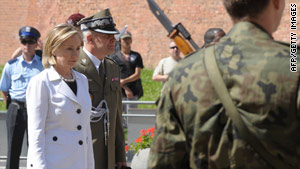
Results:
x,y
149,37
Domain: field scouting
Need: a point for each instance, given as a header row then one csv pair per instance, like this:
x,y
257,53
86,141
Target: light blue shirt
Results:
x,y
17,74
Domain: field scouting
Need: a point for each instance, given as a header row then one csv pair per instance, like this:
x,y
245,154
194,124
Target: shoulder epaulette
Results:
x,y
111,59
12,60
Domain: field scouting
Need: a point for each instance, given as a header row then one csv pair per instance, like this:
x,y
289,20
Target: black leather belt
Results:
x,y
21,104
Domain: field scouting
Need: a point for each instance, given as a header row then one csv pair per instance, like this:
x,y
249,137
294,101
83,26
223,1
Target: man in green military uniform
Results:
x,y
104,87
193,129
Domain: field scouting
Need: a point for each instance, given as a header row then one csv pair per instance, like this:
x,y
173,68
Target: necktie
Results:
x,y
101,72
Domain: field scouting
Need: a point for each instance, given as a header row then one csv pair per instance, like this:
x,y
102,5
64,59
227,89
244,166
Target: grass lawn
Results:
x,y
151,88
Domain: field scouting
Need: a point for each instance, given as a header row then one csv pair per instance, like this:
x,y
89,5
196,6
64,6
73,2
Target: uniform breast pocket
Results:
x,y
17,80
115,86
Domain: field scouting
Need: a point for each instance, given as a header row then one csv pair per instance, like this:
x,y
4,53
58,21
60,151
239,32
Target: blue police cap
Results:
x,y
29,32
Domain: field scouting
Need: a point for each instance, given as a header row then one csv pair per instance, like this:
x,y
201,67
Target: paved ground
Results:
x,y
22,164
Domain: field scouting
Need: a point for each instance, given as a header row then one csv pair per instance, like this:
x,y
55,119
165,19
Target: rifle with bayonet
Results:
x,y
178,33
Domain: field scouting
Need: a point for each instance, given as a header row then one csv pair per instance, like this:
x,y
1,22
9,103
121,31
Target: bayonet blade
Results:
x,y
159,14
121,32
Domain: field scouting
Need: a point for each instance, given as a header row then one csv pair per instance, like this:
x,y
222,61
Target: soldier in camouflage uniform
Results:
x,y
192,129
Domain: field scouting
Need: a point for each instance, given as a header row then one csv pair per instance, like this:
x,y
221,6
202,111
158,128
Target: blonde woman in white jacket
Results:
x,y
59,107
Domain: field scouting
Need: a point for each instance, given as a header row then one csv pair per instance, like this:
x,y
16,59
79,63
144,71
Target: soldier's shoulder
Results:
x,y
110,60
112,56
77,67
192,57
187,66
192,53
80,64
288,45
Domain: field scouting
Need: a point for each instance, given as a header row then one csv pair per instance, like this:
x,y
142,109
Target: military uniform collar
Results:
x,y
90,69
248,29
93,58
262,29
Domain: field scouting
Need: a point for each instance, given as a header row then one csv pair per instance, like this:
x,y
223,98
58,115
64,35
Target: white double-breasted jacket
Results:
x,y
59,132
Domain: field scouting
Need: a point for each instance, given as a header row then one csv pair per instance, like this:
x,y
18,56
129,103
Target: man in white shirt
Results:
x,y
166,65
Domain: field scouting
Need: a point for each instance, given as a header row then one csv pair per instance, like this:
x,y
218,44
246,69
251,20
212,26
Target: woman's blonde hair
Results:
x,y
54,40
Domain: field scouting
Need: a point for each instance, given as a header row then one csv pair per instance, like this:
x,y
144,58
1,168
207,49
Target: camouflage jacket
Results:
x,y
192,129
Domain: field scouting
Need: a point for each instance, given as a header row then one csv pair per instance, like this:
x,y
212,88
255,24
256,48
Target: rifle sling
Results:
x,y
232,112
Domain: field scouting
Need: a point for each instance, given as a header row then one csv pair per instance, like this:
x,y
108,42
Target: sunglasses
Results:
x,y
30,42
174,47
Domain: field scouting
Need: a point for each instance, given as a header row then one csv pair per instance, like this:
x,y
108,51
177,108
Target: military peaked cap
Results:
x,y
101,22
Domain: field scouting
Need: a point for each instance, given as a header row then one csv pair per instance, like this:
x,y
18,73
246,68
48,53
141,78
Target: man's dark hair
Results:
x,y
212,35
239,9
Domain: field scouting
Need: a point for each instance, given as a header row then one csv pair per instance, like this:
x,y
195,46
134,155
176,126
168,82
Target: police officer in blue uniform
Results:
x,y
15,78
